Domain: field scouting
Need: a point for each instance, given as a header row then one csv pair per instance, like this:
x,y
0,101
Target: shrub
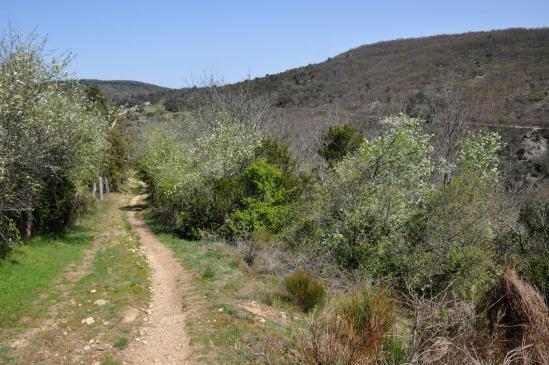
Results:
x,y
536,270
307,292
338,142
266,202
9,235
353,331
52,141
196,180
369,196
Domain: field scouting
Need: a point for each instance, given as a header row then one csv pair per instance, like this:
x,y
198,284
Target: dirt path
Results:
x,y
164,340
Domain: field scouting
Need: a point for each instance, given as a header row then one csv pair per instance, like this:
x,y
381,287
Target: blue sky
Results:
x,y
172,43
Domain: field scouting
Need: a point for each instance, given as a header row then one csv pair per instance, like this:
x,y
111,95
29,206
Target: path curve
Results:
x,y
165,340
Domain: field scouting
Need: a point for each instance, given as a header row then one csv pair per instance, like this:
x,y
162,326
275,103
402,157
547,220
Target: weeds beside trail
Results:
x,y
241,317
75,312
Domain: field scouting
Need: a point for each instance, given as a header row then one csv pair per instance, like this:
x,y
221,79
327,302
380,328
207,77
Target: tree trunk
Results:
x,y
107,187
94,189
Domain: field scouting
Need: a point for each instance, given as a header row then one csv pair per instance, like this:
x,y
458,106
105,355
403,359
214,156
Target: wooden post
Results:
x,y
94,189
28,227
100,187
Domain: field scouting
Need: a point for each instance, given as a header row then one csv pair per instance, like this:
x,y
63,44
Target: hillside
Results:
x,y
504,74
118,90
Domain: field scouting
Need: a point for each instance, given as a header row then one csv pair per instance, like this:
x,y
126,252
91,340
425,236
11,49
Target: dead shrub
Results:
x,y
351,331
510,326
518,314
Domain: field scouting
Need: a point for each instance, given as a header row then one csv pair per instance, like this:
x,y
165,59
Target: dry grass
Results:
x,y
511,326
351,331
519,316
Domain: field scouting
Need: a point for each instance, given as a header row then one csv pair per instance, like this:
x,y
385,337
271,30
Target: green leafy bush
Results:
x,y
307,292
368,196
266,203
338,142
196,183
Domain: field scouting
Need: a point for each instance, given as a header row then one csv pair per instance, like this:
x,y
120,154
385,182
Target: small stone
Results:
x,y
93,291
87,348
220,310
262,320
88,321
100,302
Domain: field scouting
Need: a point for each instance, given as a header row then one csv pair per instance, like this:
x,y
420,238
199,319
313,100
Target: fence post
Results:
x,y
28,227
100,187
94,189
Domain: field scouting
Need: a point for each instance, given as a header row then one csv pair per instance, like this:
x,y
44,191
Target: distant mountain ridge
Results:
x,y
118,90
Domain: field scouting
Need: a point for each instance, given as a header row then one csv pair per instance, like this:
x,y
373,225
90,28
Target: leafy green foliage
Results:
x,y
196,182
338,142
307,292
266,202
369,196
116,156
536,270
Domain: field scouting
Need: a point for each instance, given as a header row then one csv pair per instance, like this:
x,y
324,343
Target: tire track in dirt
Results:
x,y
165,340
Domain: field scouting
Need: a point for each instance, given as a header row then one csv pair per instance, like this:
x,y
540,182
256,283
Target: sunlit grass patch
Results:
x,y
27,275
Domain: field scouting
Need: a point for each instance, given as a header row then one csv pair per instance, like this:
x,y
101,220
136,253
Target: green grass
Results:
x,y
121,343
118,273
29,273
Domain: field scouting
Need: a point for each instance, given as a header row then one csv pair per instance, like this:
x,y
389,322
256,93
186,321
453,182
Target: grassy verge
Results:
x,y
239,316
87,321
28,275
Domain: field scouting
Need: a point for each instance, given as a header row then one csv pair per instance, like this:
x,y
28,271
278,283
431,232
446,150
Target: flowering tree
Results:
x,y
48,136
370,195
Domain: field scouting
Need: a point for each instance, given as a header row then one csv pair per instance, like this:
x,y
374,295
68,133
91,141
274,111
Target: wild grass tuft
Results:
x,y
305,290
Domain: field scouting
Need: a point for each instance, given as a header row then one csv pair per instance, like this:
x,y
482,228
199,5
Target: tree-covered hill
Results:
x,y
119,90
503,74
